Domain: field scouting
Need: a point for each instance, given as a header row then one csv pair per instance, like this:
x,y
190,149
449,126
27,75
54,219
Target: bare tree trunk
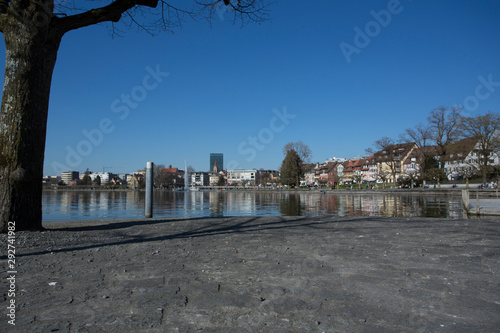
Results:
x,y
31,51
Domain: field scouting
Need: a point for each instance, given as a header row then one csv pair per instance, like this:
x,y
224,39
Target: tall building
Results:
x,y
68,176
219,158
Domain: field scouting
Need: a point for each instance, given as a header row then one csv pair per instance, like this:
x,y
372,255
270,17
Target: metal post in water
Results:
x,y
477,203
465,199
149,190
186,177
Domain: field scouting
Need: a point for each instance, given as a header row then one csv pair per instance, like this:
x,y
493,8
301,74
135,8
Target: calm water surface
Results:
x,y
83,205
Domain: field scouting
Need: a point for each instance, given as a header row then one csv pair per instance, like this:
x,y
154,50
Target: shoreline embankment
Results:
x,y
448,190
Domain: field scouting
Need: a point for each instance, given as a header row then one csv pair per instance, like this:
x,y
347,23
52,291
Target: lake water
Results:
x,y
84,205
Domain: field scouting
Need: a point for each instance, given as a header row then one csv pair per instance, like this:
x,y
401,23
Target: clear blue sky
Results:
x,y
247,92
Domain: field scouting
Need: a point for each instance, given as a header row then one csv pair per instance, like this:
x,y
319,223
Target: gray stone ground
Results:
x,y
265,274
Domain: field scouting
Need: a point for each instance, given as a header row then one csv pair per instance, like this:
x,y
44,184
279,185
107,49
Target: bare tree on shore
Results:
x,y
444,123
486,129
301,149
422,135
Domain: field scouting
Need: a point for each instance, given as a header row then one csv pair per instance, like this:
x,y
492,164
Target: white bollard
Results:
x,y
149,190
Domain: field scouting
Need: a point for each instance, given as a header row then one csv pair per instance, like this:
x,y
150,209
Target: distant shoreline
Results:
x,y
418,191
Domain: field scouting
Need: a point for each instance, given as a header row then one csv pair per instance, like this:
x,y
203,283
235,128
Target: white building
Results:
x,y
240,176
104,176
336,159
372,172
68,176
51,179
464,158
200,179
310,175
215,177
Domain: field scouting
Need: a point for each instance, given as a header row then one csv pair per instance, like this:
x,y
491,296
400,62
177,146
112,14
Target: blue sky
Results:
x,y
246,92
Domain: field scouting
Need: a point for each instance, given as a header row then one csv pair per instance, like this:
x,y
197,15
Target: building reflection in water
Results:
x,y
383,205
74,205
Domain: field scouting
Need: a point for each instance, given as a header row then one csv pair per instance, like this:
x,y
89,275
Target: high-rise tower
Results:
x,y
219,158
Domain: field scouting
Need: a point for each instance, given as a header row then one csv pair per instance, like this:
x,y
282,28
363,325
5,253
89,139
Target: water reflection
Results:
x,y
76,205
384,205
291,205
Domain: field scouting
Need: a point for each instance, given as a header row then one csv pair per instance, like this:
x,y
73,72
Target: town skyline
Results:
x,y
457,129
462,159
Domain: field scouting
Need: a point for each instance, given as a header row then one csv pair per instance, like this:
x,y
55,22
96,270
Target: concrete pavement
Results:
x,y
257,274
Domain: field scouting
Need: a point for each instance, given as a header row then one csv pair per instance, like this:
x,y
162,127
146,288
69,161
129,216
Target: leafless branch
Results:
x,y
155,16
244,11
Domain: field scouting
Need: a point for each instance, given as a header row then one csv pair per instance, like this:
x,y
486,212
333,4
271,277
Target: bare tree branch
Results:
x,y
486,129
241,10
444,123
146,15
112,12
302,150
420,135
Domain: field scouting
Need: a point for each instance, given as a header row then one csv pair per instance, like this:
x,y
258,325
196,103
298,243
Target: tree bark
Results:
x,y
31,50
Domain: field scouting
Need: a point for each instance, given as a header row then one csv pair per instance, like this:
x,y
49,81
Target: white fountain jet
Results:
x,y
186,177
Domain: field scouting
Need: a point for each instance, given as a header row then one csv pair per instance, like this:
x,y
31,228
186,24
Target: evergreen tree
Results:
x,y
221,181
430,168
86,178
292,169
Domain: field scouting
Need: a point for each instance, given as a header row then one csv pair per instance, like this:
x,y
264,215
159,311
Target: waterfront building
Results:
x,y
69,176
336,159
238,177
267,177
51,180
390,162
200,179
465,158
104,176
124,178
